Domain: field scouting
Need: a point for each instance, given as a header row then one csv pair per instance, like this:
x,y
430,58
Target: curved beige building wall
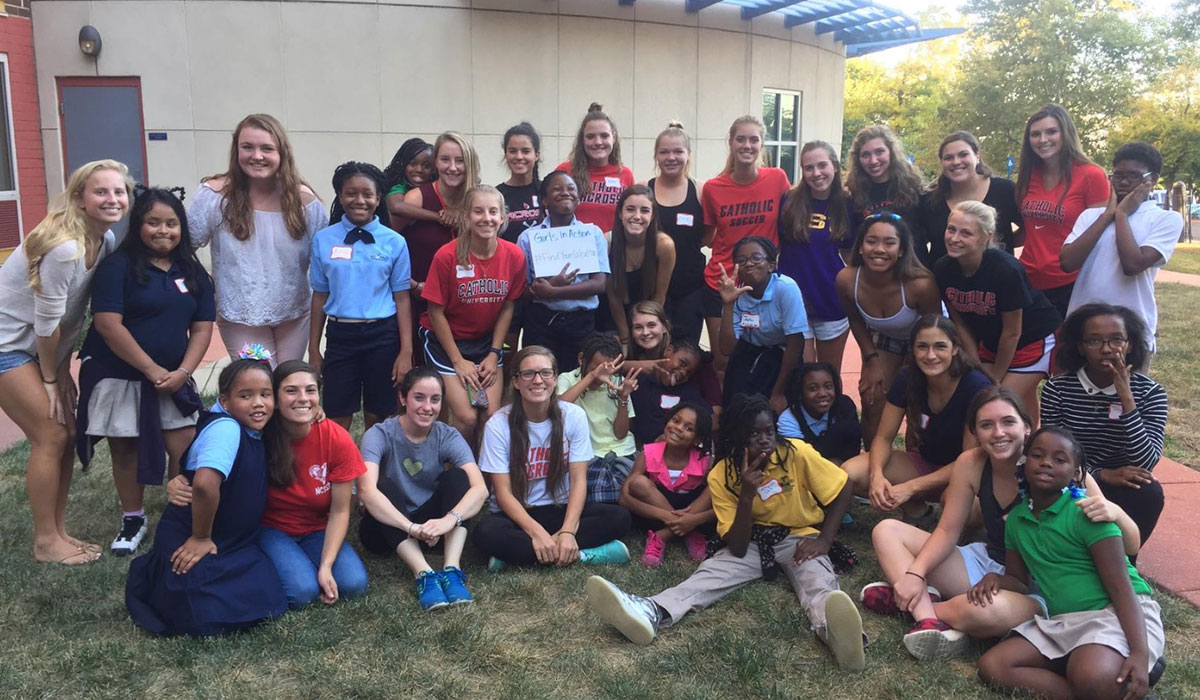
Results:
x,y
354,79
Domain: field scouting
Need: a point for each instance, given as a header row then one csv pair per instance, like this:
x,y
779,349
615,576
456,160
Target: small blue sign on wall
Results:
x,y
156,136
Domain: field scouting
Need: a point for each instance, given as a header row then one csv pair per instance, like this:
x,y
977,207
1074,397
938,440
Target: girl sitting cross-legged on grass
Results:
x,y
311,469
1104,637
536,451
668,488
778,505
912,558
421,484
206,574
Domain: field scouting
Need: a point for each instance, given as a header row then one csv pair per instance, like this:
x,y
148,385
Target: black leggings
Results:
x,y
498,536
679,500
378,538
1143,505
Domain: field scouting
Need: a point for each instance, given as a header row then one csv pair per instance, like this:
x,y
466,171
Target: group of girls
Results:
x,y
422,264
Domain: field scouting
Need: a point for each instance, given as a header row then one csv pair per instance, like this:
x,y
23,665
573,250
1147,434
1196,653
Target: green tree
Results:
x,y
1169,117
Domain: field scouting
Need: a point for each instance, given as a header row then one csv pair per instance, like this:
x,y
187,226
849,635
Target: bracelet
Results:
x,y
45,381
499,351
410,527
915,574
870,356
185,370
560,532
457,517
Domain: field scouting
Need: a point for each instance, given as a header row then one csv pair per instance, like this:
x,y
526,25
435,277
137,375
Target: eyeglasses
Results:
x,y
884,216
753,258
528,374
1096,343
1123,176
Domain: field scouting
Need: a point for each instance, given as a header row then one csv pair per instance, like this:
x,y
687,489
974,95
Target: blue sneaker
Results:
x,y
429,591
495,565
453,586
614,552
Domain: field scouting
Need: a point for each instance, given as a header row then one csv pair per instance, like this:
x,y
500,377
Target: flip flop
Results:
x,y
79,552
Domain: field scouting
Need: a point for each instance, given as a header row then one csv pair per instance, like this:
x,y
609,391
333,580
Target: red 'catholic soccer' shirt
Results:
x,y
472,295
599,206
738,211
1049,218
327,456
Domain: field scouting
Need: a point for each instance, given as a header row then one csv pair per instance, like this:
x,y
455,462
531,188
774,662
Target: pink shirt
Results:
x,y
691,478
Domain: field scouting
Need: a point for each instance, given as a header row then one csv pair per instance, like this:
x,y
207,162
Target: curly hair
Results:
x,y
733,433
1071,360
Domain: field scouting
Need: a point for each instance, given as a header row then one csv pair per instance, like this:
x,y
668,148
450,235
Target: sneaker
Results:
x,y
429,591
844,631
697,545
932,639
653,555
880,598
133,529
847,521
454,587
614,552
635,617
495,564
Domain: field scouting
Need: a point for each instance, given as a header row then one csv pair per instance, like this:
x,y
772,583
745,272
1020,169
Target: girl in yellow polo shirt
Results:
x,y
1104,637
778,504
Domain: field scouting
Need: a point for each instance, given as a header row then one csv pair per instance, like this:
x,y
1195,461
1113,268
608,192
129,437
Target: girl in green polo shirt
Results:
x,y
1105,633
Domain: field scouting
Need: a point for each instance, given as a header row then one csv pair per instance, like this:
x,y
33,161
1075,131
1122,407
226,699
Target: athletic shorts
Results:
x,y
829,330
1033,358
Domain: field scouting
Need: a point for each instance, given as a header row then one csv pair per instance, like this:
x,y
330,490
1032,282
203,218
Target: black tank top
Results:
x,y
683,223
993,514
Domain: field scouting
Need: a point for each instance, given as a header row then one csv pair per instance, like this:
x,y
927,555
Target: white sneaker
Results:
x,y
635,617
844,631
133,529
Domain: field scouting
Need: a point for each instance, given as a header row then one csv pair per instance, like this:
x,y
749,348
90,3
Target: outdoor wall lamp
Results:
x,y
89,41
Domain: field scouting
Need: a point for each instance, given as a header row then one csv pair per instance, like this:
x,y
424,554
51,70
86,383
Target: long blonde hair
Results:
x,y
462,244
65,221
237,213
740,121
456,201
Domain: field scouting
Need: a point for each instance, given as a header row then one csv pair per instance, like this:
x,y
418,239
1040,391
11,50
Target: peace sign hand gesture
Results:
x,y
728,288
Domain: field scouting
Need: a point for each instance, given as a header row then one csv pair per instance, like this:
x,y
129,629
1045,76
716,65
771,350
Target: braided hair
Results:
x,y
349,169
393,174
733,434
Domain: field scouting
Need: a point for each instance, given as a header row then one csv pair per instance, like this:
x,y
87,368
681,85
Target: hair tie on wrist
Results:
x,y
915,574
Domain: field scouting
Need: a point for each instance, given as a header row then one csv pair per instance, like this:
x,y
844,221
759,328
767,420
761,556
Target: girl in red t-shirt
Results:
x,y
311,468
742,201
595,165
472,285
1055,183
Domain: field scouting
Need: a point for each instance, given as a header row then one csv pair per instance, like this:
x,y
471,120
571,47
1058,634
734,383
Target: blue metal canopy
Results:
x,y
862,26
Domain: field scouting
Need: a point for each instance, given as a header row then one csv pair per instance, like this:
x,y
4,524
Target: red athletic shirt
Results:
x,y
325,457
473,296
599,207
1048,222
739,211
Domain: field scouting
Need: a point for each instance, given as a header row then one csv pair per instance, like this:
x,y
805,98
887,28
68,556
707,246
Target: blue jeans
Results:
x,y
297,559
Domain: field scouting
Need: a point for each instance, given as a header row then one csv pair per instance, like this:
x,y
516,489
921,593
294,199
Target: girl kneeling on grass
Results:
x,y
421,484
770,495
668,488
911,558
1105,633
536,450
206,574
311,469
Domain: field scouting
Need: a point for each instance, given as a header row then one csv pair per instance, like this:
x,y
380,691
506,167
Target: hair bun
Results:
x,y
595,107
674,124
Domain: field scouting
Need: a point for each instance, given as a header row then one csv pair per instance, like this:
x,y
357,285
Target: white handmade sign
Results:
x,y
574,246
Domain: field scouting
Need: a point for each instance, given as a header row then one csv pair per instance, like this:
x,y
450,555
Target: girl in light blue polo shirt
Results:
x,y
360,275
763,323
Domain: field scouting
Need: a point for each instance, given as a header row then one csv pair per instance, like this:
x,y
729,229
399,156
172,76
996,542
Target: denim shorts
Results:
x,y
828,330
13,360
979,563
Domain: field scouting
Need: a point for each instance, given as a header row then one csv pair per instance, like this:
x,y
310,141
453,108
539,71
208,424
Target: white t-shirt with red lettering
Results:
x,y
577,447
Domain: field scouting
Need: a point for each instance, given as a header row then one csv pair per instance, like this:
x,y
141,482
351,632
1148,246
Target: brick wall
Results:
x,y
16,41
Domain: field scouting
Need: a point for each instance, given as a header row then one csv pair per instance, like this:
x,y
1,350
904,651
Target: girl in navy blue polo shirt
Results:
x,y
360,275
153,313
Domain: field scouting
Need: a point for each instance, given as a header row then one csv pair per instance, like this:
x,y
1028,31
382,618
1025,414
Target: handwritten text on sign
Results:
x,y
563,245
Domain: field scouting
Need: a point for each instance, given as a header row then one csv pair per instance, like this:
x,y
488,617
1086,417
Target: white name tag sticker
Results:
x,y
682,219
1114,411
924,421
464,271
341,252
751,321
181,284
535,201
612,182
769,489
668,401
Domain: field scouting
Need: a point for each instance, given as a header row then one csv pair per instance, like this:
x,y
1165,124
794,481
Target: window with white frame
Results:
x,y
8,180
781,115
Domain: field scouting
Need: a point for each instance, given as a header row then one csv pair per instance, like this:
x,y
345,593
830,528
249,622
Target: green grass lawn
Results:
x,y
1186,258
528,636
